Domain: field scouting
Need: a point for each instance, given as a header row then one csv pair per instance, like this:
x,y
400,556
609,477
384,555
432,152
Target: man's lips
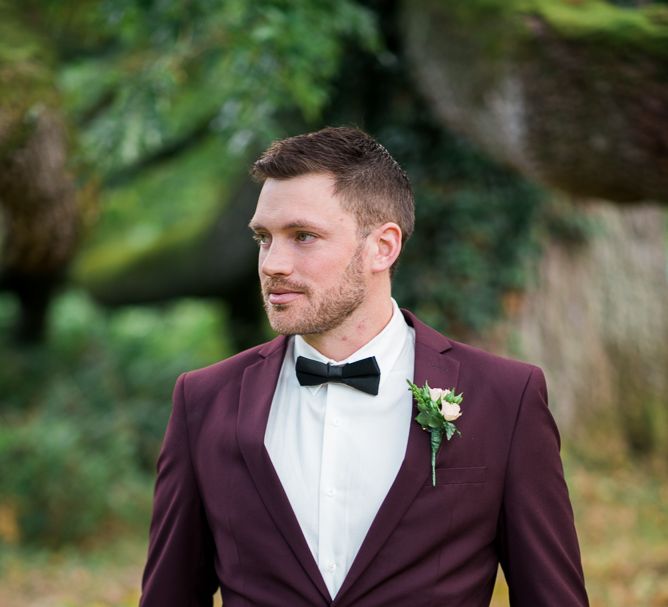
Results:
x,y
282,297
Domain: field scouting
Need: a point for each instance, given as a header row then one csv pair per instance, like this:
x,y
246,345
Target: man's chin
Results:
x,y
279,320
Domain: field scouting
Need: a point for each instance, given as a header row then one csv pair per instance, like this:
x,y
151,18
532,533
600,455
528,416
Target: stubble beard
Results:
x,y
324,312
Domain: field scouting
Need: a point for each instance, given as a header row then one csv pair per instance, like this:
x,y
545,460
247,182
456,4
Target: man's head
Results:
x,y
334,211
370,183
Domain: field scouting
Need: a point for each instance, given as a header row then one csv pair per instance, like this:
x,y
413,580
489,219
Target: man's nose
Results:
x,y
275,260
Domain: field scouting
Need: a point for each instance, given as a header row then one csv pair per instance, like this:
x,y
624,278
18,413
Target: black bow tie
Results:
x,y
362,374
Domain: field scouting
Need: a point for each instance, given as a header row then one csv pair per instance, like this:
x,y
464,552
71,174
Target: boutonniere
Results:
x,y
438,409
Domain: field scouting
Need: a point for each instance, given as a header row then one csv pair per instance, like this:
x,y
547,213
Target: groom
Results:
x,y
294,475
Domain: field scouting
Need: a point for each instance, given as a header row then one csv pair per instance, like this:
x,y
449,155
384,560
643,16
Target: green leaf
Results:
x,y
435,422
423,406
422,419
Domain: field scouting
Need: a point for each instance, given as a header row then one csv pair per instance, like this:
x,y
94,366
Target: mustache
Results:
x,y
270,284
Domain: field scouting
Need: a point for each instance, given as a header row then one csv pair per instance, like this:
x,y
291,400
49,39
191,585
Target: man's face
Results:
x,y
311,261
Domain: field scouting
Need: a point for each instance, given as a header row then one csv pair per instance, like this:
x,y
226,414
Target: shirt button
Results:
x,y
331,567
336,422
331,492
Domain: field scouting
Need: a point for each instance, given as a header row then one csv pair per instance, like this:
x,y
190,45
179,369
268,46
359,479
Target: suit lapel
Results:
x,y
441,371
257,390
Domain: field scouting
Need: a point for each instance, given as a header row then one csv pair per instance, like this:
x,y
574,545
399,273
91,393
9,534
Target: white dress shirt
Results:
x,y
337,450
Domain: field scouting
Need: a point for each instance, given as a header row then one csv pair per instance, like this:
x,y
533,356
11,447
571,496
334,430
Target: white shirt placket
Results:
x,y
332,539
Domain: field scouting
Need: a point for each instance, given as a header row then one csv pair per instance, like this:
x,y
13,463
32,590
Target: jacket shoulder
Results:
x,y
504,381
492,362
229,371
483,363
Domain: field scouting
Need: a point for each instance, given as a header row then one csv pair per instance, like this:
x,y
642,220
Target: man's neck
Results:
x,y
354,333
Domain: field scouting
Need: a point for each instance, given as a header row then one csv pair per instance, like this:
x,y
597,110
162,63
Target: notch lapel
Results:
x,y
441,371
257,389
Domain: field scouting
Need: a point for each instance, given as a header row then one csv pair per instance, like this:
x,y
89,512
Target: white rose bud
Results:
x,y
450,411
437,393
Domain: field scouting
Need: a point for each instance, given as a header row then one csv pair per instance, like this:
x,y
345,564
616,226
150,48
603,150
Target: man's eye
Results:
x,y
305,237
261,239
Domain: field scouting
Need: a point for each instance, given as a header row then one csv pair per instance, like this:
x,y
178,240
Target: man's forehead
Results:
x,y
323,183
304,201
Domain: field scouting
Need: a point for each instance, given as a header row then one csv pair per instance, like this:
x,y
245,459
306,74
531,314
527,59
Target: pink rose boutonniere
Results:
x,y
438,410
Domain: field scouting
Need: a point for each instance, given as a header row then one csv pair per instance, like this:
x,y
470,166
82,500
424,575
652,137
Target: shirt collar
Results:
x,y
386,346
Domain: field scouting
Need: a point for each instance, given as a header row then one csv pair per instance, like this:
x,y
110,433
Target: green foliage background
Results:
x,y
82,417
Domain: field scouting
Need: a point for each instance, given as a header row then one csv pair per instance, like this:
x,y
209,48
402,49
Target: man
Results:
x,y
294,475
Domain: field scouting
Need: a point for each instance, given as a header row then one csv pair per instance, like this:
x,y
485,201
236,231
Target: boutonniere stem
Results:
x,y
438,410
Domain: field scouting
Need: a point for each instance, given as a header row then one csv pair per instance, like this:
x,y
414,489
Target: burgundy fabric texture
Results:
x,y
222,519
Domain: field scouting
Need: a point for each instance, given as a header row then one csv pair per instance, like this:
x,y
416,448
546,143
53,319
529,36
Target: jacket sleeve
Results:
x,y
179,570
538,546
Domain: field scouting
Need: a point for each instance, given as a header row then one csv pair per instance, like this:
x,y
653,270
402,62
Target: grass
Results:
x,y
622,517
621,514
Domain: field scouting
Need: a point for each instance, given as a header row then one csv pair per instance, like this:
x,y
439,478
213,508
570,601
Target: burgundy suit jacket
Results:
x,y
222,519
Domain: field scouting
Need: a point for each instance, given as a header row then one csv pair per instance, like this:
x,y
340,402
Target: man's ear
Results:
x,y
386,242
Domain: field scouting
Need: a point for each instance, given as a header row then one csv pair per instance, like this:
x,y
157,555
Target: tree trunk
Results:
x,y
40,220
596,319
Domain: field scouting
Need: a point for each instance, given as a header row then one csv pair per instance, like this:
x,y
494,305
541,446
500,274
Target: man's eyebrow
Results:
x,y
300,224
303,225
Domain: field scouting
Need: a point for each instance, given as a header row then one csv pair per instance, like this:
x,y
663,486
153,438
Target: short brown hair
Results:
x,y
372,185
